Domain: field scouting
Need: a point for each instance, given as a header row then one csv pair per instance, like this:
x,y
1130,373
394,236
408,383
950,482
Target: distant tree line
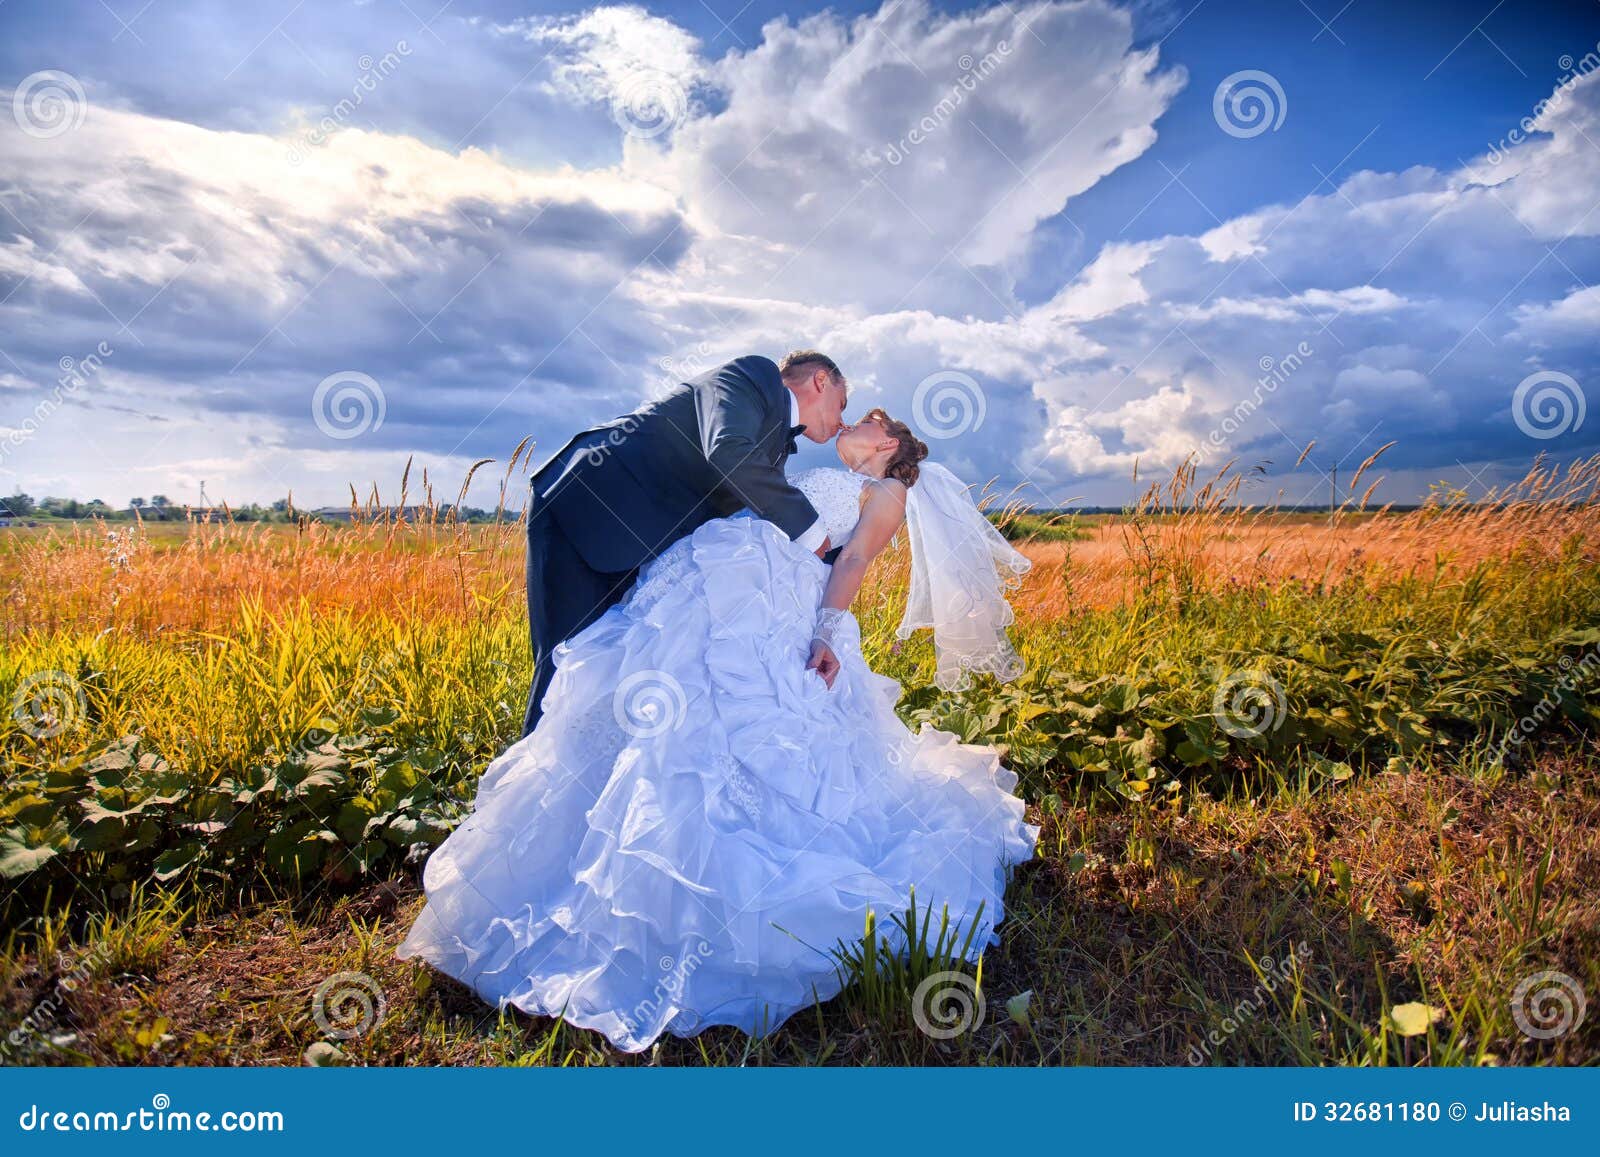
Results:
x,y
160,508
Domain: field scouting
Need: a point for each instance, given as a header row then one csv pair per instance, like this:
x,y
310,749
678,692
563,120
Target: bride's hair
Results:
x,y
911,451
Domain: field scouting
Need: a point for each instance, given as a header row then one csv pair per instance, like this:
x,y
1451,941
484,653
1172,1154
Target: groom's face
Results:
x,y
834,394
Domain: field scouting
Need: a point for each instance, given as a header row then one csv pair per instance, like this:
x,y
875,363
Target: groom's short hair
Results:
x,y
806,361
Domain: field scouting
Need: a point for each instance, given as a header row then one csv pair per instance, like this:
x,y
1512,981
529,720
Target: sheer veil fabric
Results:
x,y
961,568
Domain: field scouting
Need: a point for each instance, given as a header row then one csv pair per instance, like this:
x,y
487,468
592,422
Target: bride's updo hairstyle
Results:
x,y
912,449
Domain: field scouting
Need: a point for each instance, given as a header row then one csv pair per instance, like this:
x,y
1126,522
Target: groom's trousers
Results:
x,y
564,596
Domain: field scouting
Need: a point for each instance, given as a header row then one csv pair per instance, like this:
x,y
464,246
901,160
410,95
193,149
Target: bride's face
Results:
x,y
855,444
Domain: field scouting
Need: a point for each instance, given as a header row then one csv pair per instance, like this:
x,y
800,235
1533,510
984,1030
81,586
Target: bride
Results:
x,y
702,815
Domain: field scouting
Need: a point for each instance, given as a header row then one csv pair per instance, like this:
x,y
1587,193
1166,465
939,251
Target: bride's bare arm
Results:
x,y
883,513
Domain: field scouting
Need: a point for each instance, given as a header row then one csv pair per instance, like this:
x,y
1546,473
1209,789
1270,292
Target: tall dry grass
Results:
x,y
144,579
1189,536
1183,538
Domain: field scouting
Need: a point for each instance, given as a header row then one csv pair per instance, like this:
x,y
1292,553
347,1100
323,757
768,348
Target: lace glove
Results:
x,y
838,629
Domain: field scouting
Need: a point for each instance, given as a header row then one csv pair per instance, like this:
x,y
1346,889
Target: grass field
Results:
x,y
1313,790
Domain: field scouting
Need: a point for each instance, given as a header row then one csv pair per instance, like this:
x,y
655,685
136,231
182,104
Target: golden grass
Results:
x,y
1180,539
1137,929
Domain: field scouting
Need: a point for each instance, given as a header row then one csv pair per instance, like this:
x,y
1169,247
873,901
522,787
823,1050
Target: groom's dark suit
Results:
x,y
616,496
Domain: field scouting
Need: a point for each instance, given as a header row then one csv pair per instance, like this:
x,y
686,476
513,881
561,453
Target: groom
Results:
x,y
618,495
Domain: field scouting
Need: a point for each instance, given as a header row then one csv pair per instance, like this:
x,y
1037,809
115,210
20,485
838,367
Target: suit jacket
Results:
x,y
626,490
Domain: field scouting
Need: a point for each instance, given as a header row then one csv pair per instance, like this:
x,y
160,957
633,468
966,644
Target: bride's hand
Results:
x,y
824,662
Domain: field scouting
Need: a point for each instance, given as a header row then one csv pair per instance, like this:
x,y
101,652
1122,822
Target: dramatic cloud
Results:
x,y
875,185
230,277
903,159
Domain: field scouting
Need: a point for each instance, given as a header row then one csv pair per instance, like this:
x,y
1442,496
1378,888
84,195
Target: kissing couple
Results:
x,y
713,789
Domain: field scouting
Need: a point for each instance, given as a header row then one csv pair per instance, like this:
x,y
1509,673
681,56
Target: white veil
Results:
x,y
961,567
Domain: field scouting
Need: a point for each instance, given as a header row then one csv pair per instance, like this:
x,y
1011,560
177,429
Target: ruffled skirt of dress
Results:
x,y
698,821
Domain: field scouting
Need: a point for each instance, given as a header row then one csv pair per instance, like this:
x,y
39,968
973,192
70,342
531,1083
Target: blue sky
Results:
x,y
1076,264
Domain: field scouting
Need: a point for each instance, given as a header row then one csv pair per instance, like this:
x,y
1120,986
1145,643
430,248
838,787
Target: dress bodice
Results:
x,y
836,497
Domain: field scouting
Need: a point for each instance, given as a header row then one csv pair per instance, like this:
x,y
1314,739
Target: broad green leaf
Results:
x,y
18,859
176,859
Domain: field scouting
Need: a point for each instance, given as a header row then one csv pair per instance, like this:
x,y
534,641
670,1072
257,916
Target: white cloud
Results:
x,y
231,280
598,55
807,181
789,205
1572,319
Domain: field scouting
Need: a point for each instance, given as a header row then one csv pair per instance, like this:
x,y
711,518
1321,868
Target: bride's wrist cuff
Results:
x,y
838,629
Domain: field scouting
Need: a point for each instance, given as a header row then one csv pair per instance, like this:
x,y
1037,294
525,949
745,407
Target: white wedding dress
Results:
x,y
698,821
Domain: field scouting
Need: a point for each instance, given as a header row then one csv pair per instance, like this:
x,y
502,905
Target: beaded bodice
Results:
x,y
836,496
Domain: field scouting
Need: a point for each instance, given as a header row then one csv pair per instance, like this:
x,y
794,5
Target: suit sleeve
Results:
x,y
735,423
813,536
